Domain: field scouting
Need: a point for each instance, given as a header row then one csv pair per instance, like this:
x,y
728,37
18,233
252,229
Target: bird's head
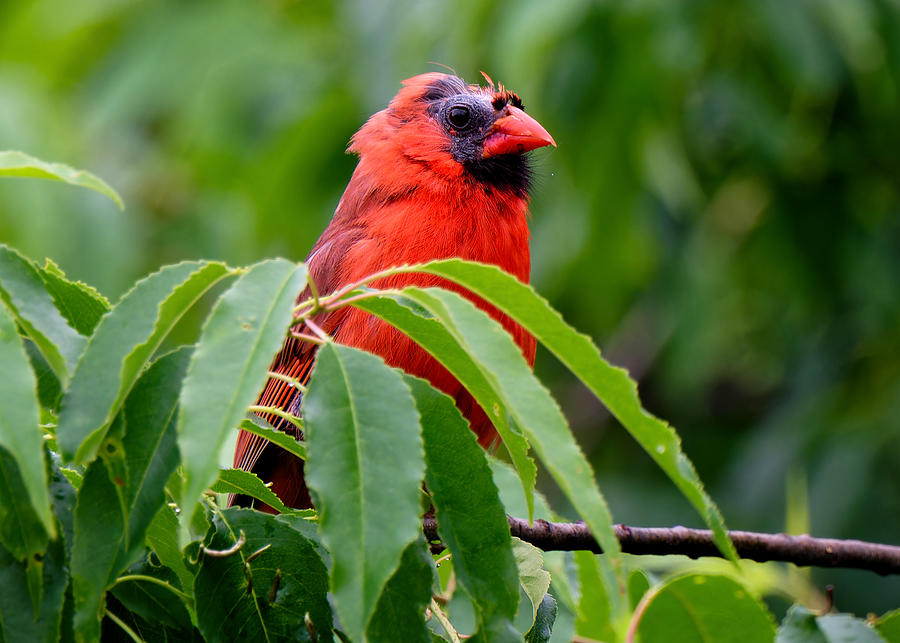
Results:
x,y
439,125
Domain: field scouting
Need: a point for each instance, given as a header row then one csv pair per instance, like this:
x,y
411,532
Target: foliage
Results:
x,y
721,215
109,522
23,165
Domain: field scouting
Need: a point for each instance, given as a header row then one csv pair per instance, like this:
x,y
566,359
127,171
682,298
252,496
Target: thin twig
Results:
x,y
365,281
314,327
369,294
800,550
327,301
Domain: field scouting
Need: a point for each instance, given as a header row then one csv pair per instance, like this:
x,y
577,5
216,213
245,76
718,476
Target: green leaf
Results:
x,y
400,612
638,585
63,497
25,294
889,626
365,469
276,437
21,436
535,580
131,610
245,483
235,599
530,405
74,476
697,608
153,601
471,520
123,343
544,619
434,337
34,571
117,488
151,451
79,303
610,384
49,390
19,164
241,335
162,538
513,500
21,531
802,626
18,621
594,616
99,535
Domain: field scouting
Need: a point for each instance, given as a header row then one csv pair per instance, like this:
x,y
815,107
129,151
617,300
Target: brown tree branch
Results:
x,y
800,550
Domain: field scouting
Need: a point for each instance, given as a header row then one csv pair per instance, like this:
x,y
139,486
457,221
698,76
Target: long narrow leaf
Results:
x,y
279,438
99,536
400,613
25,293
22,533
365,469
434,337
19,621
82,305
530,405
229,366
20,433
151,453
471,519
246,483
610,384
14,163
162,537
121,346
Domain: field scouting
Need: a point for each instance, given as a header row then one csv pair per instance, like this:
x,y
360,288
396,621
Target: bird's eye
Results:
x,y
459,116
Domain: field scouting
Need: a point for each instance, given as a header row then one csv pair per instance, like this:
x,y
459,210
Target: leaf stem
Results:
x,y
342,292
273,410
444,621
225,553
293,381
156,581
306,338
639,614
130,632
313,291
314,327
306,303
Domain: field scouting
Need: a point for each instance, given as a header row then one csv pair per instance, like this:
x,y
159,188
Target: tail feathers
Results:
x,y
254,453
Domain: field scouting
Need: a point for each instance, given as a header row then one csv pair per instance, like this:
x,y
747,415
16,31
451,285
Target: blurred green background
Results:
x,y
722,214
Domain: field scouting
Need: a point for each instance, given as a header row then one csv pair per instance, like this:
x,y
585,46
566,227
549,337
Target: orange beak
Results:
x,y
515,133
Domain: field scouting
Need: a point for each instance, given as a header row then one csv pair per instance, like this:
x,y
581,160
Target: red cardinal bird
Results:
x,y
442,173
